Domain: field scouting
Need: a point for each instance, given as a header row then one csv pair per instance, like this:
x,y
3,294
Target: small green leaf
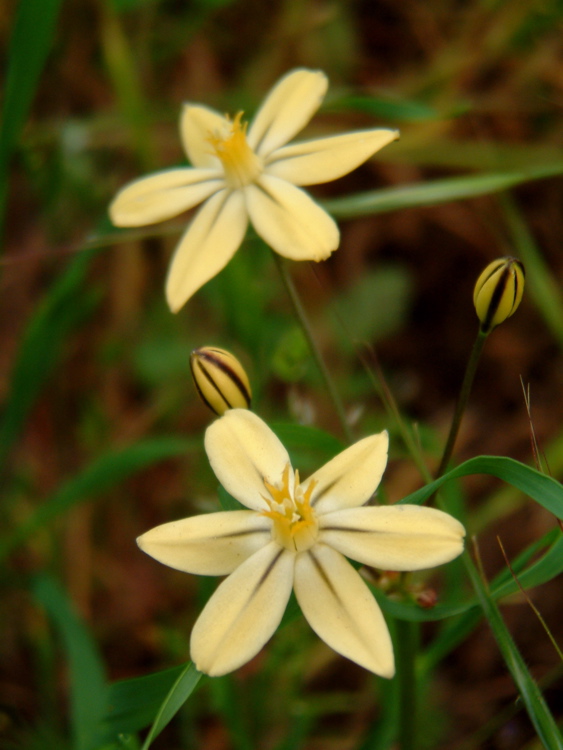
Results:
x,y
133,704
183,687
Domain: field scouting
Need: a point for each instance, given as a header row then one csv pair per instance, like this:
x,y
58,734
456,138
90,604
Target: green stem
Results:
x,y
304,322
375,374
406,649
470,371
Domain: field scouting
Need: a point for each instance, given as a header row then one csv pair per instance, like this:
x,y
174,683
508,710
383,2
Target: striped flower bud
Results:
x,y
498,292
220,379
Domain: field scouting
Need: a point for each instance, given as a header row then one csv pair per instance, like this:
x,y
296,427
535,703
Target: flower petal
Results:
x,y
243,613
211,240
290,221
397,537
197,125
341,609
351,477
213,544
326,159
163,195
243,451
287,109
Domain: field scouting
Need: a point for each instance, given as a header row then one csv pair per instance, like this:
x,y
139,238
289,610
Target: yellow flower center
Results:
x,y
242,166
295,525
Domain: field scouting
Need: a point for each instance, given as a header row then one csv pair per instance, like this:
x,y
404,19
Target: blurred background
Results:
x,y
102,430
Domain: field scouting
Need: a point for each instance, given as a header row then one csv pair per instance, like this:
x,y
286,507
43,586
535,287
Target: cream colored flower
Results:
x,y
248,175
296,535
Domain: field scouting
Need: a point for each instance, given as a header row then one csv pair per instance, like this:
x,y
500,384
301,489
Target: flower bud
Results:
x,y
220,379
498,292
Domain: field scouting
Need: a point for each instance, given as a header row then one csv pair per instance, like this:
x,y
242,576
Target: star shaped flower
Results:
x,y
297,535
243,174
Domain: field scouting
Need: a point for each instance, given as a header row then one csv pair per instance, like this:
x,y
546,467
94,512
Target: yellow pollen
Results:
x,y
295,524
242,166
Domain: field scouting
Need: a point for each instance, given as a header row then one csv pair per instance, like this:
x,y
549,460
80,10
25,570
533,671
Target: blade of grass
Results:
x,y
132,704
530,693
32,37
540,283
88,690
543,489
181,690
435,192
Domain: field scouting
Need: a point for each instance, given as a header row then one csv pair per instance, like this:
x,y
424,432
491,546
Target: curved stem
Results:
x,y
304,323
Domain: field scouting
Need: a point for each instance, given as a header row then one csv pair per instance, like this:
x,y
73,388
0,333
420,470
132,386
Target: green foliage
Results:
x,y
476,174
433,193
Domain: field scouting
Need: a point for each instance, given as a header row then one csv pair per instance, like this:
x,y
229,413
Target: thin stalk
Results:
x,y
463,398
375,374
406,649
301,316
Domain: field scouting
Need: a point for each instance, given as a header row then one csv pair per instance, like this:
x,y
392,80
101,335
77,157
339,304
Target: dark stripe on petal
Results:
x,y
321,493
322,573
268,570
351,530
220,363
239,534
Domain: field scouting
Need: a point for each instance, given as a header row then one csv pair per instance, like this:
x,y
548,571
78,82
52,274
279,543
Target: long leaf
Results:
x,y
88,689
133,704
541,488
178,695
537,709
98,477
436,191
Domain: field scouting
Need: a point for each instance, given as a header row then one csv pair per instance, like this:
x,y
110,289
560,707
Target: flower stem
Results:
x,y
462,400
406,649
317,356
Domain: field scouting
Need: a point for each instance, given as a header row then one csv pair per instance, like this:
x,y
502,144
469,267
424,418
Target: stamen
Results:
x,y
294,524
242,166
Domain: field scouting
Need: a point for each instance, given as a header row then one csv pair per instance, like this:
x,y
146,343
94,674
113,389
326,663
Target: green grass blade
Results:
x,y
541,284
133,704
435,192
32,37
100,476
62,309
530,693
88,690
181,690
543,489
